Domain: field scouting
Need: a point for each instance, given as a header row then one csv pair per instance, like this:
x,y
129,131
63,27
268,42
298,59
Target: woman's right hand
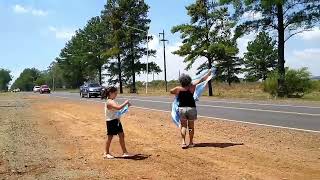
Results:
x,y
126,102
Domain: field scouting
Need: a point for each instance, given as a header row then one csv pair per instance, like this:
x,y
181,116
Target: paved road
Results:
x,y
299,117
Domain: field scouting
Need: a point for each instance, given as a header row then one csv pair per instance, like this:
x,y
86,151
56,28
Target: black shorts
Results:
x,y
114,127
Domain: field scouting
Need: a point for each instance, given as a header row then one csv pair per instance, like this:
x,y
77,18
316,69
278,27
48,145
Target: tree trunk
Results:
x,y
100,75
207,41
210,82
281,61
119,73
133,88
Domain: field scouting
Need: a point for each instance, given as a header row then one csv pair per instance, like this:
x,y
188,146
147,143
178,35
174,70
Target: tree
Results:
x,y
5,78
112,14
228,65
95,44
126,16
286,17
209,25
72,61
27,79
261,57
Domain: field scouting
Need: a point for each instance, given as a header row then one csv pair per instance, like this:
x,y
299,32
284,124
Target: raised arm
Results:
x,y
196,82
175,90
114,105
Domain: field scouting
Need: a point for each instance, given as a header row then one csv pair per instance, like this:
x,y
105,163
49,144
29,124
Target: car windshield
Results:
x,y
44,86
94,85
36,86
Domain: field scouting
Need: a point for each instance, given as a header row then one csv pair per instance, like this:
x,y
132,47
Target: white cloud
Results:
x,y
39,12
20,9
243,43
308,54
314,34
251,15
62,33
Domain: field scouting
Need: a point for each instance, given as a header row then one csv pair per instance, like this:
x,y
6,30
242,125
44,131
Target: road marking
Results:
x,y
237,121
215,118
238,108
237,102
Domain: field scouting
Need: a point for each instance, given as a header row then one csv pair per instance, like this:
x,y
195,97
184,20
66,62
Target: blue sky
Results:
x,y
34,31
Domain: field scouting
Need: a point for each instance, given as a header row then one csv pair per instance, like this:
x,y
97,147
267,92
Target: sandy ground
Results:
x,y
46,138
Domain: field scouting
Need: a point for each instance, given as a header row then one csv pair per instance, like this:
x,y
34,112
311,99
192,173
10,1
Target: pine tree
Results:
x,y
286,17
261,57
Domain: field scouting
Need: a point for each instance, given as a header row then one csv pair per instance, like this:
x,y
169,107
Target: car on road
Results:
x,y
90,89
36,89
16,90
44,89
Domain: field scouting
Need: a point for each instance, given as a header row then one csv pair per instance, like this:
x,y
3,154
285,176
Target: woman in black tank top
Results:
x,y
187,106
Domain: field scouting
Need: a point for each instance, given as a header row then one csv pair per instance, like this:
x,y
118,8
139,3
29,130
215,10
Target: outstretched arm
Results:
x,y
205,77
114,105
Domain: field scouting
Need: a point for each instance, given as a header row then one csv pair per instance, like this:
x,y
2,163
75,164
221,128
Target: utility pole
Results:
x,y
164,57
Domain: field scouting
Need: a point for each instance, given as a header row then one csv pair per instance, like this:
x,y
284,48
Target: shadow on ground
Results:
x,y
217,145
136,157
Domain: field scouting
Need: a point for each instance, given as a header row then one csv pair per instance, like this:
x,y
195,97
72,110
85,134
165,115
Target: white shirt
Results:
x,y
110,114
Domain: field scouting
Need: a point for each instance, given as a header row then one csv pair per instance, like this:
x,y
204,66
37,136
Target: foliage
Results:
x,y
261,57
206,34
27,79
298,82
286,17
5,78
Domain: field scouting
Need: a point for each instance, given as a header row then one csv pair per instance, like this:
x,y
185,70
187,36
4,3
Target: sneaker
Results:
x,y
108,156
127,155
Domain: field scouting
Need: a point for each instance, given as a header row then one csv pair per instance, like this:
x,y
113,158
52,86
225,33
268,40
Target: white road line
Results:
x,y
215,118
238,102
238,108
222,119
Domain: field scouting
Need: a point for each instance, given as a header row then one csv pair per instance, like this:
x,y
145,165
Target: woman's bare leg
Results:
x,y
184,124
191,131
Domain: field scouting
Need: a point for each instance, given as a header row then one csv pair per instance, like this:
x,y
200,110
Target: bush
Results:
x,y
297,82
270,85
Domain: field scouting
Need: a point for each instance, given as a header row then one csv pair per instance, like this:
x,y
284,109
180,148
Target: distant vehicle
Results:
x,y
90,89
16,90
44,89
36,89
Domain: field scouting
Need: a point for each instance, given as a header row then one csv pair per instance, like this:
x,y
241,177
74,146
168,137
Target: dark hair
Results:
x,y
106,92
185,80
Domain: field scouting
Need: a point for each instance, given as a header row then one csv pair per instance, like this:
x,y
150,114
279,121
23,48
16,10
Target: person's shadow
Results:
x,y
136,157
217,145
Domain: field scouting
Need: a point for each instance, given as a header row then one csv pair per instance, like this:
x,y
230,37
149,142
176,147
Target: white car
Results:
x,y
36,89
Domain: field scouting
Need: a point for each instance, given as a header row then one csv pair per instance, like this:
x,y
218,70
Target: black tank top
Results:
x,y
186,99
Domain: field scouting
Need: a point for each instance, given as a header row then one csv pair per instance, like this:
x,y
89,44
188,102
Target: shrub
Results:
x,y
297,82
270,85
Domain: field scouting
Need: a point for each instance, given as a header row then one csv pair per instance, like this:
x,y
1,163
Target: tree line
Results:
x,y
114,42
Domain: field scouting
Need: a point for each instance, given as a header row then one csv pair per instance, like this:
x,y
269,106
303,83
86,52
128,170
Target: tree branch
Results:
x,y
298,32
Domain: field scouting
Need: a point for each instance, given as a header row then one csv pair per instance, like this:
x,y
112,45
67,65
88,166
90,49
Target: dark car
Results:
x,y
44,89
90,89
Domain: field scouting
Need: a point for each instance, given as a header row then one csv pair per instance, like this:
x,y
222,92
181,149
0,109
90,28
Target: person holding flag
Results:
x,y
184,107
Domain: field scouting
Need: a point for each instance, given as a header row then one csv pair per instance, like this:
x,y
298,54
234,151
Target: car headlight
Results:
x,y
90,89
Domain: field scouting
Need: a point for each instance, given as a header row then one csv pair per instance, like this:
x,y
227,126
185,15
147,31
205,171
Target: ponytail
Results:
x,y
106,92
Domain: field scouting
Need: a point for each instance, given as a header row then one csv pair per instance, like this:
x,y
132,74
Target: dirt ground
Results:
x,y
47,138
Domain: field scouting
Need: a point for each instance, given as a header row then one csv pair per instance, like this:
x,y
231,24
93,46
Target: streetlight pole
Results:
x,y
164,58
147,78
